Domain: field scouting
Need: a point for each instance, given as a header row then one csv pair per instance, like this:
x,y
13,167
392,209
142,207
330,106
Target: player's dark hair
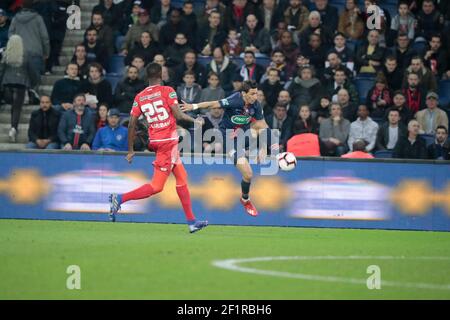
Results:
x,y
248,85
154,71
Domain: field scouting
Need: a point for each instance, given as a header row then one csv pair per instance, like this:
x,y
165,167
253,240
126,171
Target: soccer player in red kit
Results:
x,y
159,105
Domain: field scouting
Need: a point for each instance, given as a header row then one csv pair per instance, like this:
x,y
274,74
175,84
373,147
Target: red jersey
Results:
x,y
155,103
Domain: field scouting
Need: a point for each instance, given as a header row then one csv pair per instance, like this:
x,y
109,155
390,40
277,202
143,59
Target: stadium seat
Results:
x,y
444,93
116,64
429,138
114,79
383,154
204,60
363,85
238,61
304,145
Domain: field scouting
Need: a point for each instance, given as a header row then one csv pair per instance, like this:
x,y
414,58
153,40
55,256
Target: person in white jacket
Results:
x,y
363,128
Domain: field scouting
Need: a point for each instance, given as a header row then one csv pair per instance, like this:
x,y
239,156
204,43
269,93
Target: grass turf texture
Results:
x,y
157,261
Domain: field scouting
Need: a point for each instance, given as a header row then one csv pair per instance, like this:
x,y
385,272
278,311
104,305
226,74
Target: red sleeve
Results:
x,y
136,108
171,97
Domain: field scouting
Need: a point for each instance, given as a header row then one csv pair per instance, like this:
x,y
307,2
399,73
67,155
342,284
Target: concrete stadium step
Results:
x,y
45,89
12,146
51,79
22,137
26,109
5,117
64,60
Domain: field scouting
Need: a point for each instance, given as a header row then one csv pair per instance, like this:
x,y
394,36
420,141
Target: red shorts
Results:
x,y
167,154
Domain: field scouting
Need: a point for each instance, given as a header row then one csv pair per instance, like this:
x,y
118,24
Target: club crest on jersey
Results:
x,y
135,104
240,119
225,102
173,95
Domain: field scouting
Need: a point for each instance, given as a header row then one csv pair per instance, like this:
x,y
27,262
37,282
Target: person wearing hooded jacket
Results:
x,y
305,89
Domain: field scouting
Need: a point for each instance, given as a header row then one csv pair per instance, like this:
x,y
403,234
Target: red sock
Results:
x,y
142,192
185,198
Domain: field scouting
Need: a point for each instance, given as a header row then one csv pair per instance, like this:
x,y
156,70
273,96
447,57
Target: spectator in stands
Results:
x,y
278,61
43,128
160,12
174,26
390,132
104,32
440,149
110,12
415,95
383,17
341,82
315,26
431,117
403,51
334,132
315,51
345,54
324,109
329,14
147,48
296,16
112,137
285,98
369,56
139,63
304,122
159,59
223,67
272,87
436,57
30,26
254,37
214,91
97,87
189,91
236,12
101,115
270,14
379,97
363,128
212,120
404,22
189,18
333,64
280,120
132,17
399,103
290,50
95,50
232,46
4,28
351,25
80,59
359,151
250,70
427,79
305,89
190,64
177,50
392,73
237,82
210,6
76,129
127,90
134,33
261,98
412,146
349,108
17,77
212,35
429,20
64,90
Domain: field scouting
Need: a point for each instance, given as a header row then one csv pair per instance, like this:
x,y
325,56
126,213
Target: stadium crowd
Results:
x,y
329,80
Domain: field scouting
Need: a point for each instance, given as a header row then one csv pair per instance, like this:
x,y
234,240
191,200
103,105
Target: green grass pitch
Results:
x,y
164,261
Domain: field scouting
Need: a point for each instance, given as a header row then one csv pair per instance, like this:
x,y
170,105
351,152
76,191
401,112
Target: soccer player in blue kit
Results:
x,y
241,111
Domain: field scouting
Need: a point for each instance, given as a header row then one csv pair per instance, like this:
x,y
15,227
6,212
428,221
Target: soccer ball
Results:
x,y
286,161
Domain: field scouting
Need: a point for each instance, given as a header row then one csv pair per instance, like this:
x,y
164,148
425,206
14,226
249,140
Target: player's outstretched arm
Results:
x,y
202,105
180,116
131,135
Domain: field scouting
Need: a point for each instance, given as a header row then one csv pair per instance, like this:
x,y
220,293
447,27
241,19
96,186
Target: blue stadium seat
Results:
x,y
444,93
429,138
238,61
384,154
204,60
116,64
363,85
263,61
114,79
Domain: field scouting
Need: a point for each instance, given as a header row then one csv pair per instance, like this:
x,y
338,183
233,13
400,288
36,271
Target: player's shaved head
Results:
x,y
154,72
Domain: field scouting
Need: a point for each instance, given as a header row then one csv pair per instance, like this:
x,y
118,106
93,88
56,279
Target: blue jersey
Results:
x,y
237,115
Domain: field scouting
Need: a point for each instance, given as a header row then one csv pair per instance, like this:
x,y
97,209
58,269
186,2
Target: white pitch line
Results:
x,y
232,264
